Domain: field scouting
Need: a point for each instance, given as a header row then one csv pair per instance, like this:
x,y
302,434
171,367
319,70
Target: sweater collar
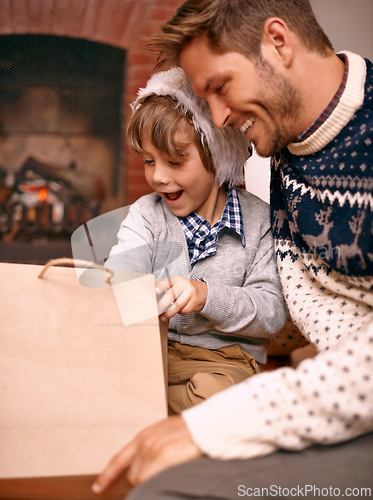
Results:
x,y
350,101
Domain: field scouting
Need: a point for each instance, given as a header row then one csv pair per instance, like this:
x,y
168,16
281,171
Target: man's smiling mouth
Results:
x,y
245,126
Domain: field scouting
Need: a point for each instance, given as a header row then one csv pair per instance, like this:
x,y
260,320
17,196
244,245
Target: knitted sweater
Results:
x,y
244,304
321,200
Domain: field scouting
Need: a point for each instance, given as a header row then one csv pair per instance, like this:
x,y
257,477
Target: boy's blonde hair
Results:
x,y
161,121
224,151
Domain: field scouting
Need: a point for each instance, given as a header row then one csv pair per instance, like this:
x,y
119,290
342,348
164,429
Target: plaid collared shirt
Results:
x,y
202,239
330,107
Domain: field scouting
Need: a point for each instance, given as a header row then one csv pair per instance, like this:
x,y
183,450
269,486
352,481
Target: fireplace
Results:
x,y
60,140
121,25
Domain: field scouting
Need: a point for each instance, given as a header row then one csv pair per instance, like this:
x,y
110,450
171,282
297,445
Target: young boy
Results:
x,y
208,244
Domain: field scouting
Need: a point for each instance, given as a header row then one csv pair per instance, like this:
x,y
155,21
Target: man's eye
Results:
x,y
219,89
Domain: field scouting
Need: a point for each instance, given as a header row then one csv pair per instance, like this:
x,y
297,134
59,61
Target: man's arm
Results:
x,y
326,400
154,449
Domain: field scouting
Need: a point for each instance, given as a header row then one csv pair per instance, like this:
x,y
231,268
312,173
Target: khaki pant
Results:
x,y
195,374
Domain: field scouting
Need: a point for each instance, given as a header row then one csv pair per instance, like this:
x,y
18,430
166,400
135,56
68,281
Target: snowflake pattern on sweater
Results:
x,y
323,201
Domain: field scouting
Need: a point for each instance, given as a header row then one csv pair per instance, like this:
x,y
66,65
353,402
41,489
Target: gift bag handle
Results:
x,y
75,262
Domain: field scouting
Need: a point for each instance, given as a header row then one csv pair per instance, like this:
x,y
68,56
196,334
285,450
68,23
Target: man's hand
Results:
x,y
154,449
180,295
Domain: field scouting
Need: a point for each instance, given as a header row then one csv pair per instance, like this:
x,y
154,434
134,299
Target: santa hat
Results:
x,y
228,146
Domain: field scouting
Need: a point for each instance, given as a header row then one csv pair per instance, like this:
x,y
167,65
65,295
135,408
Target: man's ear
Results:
x,y
277,42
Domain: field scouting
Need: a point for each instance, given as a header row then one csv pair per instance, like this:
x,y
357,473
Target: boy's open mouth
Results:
x,y
174,196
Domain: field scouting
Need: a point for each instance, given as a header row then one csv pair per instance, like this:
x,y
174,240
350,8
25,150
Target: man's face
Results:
x,y
245,94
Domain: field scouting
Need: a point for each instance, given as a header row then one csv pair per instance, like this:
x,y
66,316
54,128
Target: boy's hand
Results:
x,y
162,445
181,295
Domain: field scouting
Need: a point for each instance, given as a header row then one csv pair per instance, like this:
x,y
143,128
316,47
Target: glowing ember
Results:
x,y
43,193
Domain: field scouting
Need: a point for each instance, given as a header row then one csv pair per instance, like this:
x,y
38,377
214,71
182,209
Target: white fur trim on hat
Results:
x,y
228,146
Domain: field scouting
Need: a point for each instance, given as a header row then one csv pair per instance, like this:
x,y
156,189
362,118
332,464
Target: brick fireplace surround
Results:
x,y
125,24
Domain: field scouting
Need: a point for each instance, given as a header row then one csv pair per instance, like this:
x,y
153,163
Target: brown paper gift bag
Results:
x,y
76,384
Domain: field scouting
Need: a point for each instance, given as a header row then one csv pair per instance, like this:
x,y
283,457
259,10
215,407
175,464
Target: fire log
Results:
x,y
86,186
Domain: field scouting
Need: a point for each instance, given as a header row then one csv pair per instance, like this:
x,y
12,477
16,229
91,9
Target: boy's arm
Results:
x,y
257,307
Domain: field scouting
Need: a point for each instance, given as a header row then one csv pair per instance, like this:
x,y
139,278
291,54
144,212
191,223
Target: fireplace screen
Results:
x,y
60,133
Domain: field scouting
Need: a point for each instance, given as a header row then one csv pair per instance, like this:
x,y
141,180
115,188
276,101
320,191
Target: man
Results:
x,y
267,68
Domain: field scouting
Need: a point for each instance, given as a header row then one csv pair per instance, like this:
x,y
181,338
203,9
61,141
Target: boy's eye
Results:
x,y
148,162
175,163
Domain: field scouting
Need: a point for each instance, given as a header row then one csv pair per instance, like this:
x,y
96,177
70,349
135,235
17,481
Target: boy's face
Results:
x,y
253,96
186,186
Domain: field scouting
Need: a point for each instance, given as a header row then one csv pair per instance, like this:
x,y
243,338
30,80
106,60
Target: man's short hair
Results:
x,y
235,25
